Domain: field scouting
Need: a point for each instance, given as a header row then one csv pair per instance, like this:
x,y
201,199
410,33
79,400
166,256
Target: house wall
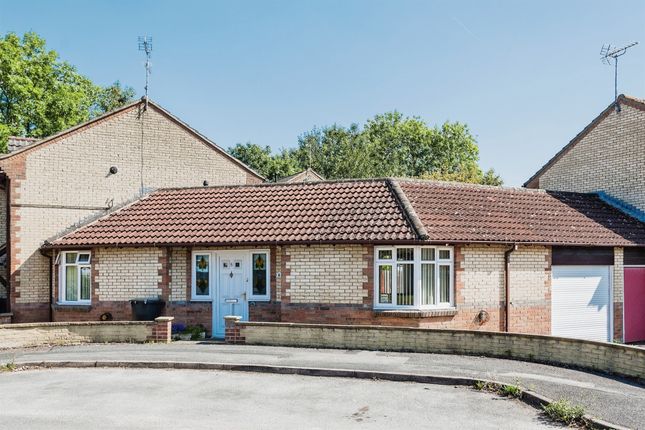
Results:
x,y
66,182
609,158
328,284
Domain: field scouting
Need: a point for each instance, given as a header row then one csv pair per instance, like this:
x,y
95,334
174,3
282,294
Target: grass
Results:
x,y
507,390
565,412
8,367
511,391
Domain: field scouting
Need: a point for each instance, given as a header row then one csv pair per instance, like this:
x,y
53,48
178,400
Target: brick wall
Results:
x,y
127,273
67,182
600,356
618,293
609,158
325,274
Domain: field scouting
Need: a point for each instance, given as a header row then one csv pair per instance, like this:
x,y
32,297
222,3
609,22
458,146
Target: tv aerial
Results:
x,y
607,53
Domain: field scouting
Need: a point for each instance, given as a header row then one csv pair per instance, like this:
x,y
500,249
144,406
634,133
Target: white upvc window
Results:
x,y
413,277
75,277
202,279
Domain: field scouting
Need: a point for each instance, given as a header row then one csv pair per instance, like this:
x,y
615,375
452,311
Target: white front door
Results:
x,y
581,302
230,297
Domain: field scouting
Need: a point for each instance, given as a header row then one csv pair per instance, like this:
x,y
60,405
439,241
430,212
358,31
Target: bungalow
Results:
x,y
382,251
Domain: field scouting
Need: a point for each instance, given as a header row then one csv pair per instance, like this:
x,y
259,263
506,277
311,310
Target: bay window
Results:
x,y
413,277
75,277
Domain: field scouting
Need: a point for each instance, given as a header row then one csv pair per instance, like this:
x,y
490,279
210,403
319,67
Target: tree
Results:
x,y
387,145
261,160
41,95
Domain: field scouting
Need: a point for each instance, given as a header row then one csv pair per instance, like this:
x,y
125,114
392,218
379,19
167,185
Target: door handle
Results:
x,y
244,295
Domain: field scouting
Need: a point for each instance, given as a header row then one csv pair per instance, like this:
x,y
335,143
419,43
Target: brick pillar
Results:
x,y
232,329
162,330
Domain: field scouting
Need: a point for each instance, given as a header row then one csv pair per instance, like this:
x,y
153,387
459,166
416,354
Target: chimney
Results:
x,y
14,143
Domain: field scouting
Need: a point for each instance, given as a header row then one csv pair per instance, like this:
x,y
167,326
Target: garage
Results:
x,y
581,294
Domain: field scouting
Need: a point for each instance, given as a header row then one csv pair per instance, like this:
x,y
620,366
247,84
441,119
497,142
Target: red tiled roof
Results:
x,y
366,211
473,213
354,211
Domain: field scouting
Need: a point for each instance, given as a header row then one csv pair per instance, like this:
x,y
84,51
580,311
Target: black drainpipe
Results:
x,y
507,286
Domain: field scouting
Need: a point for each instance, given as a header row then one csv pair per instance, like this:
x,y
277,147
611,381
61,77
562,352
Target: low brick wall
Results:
x,y
68,333
599,356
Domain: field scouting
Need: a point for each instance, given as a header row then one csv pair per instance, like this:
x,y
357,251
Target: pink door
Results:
x,y
634,304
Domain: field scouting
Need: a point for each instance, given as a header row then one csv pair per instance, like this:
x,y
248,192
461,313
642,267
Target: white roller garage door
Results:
x,y
580,302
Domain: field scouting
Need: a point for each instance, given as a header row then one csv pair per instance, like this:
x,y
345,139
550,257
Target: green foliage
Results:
x,y
41,95
387,145
563,411
260,159
8,367
510,391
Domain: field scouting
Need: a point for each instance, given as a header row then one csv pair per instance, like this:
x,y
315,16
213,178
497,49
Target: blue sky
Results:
x,y
525,76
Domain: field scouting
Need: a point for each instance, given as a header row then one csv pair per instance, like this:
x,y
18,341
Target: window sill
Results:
x,y
78,307
415,313
201,300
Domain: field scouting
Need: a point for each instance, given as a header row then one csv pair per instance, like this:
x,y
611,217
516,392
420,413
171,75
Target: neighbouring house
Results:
x,y
383,251
306,175
608,158
53,185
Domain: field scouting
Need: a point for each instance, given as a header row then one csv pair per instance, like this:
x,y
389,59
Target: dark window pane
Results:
x,y
259,274
444,254
385,254
71,283
427,284
202,272
405,254
444,284
70,258
85,283
427,254
385,284
405,284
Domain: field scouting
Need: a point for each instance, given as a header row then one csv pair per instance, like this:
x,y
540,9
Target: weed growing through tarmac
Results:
x,y
507,390
511,391
565,412
8,367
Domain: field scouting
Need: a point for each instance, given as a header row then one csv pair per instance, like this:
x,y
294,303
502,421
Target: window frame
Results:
x,y
417,262
62,276
194,297
260,297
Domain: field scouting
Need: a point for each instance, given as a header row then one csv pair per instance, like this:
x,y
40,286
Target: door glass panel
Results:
x,y
202,275
385,284
85,283
427,284
259,274
71,283
405,284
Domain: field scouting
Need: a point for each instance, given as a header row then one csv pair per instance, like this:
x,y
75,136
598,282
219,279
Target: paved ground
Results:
x,y
613,400
146,398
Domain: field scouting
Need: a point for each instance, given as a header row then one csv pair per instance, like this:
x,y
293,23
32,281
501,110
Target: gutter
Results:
x,y
507,286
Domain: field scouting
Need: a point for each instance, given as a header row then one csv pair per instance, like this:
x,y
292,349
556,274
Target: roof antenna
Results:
x,y
608,52
145,45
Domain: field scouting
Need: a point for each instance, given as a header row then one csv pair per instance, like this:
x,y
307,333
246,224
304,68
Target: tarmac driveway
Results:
x,y
612,399
189,399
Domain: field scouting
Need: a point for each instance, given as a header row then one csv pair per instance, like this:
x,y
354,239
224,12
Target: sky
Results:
x,y
525,76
